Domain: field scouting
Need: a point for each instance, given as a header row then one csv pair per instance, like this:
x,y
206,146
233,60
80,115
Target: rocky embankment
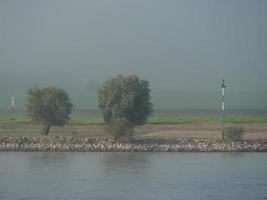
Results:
x,y
79,143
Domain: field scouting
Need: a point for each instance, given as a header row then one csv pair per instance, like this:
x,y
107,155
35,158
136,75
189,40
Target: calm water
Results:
x,y
133,176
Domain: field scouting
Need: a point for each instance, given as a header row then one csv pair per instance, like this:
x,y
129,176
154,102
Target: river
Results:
x,y
140,176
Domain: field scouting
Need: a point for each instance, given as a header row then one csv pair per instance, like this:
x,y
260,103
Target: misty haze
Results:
x,y
183,48
133,99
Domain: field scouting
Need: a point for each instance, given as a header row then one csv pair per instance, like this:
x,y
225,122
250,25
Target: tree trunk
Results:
x,y
46,129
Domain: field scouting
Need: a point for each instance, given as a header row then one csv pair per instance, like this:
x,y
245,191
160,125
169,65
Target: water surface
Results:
x,y
142,176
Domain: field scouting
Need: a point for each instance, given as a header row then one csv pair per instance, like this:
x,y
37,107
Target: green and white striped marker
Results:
x,y
222,122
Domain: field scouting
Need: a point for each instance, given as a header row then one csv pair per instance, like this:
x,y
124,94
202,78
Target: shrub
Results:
x,y
48,106
234,133
120,128
125,103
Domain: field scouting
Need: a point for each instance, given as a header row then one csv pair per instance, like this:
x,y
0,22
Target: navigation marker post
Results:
x,y
222,120
13,106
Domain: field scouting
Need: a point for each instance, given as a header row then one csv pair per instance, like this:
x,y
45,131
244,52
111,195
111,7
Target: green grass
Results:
x,y
205,119
93,125
14,120
97,120
77,120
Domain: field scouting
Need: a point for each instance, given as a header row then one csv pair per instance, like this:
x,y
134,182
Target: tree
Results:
x,y
125,103
48,106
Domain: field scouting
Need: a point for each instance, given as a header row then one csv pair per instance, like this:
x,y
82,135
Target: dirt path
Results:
x,y
202,130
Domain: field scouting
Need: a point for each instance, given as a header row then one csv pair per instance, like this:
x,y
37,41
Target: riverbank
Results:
x,y
102,144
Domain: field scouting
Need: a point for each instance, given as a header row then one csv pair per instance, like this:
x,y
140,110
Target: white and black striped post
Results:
x,y
222,122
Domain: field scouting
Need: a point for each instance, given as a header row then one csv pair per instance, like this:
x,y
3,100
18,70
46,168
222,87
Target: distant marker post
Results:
x,y
222,120
13,106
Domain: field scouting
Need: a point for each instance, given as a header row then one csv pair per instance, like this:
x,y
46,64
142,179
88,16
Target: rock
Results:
x,y
83,143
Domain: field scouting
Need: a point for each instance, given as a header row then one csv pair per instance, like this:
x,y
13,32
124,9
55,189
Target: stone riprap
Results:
x,y
89,144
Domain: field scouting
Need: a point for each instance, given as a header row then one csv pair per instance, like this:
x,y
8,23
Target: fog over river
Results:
x,y
184,48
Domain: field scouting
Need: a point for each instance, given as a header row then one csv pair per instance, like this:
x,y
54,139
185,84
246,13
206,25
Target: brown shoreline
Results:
x,y
102,144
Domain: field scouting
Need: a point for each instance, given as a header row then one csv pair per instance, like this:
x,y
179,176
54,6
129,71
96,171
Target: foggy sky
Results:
x,y
180,46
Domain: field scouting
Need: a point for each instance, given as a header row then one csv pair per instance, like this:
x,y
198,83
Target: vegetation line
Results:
x,y
91,120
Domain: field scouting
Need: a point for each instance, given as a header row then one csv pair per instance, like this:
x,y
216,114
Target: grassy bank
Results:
x,y
96,120
158,126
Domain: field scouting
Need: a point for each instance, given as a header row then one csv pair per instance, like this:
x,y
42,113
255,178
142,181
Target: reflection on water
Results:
x,y
119,161
133,175
47,159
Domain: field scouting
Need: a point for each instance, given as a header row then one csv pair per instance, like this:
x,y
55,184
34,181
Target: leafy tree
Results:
x,y
125,103
48,106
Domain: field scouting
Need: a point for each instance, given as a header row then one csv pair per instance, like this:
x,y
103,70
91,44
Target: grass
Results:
x,y
68,130
178,120
93,125
14,120
97,120
77,120
205,119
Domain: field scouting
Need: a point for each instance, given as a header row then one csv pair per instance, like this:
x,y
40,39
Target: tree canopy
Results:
x,y
125,101
48,106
